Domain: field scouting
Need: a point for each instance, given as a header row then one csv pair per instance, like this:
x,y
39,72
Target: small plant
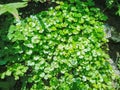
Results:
x,y
12,8
114,4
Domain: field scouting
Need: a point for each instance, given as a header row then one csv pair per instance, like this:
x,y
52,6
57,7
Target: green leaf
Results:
x,y
17,5
8,72
54,81
3,62
2,9
118,12
72,1
14,12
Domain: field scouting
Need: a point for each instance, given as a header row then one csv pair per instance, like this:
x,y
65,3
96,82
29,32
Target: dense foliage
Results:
x,y
59,49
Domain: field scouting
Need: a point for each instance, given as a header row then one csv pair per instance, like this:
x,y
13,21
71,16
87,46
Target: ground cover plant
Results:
x,y
62,48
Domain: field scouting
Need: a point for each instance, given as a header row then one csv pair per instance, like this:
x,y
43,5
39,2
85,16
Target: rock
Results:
x,y
111,33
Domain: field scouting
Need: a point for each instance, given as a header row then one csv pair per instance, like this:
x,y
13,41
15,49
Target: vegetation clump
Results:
x,y
61,49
